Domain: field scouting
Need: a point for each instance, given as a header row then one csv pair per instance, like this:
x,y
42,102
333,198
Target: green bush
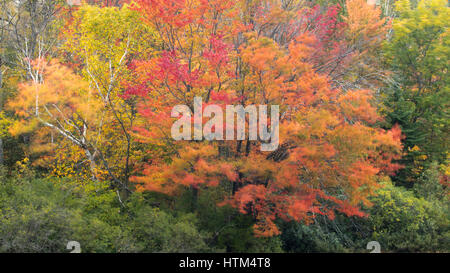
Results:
x,y
43,215
400,221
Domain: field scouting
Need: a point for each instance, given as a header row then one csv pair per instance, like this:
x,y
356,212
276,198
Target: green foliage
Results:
x,y
300,238
428,185
418,97
104,38
156,230
5,122
401,221
37,215
31,221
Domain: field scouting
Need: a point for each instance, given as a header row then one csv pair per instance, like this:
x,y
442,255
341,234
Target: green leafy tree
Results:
x,y
418,97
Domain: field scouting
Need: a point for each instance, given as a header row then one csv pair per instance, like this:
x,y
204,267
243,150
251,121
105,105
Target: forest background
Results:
x,y
86,92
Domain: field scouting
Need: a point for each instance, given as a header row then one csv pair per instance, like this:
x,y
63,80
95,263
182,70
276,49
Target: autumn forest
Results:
x,y
87,153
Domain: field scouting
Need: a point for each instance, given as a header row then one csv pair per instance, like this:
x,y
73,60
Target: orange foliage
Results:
x,y
331,155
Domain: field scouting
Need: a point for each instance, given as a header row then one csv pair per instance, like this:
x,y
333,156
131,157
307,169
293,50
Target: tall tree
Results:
x,y
330,155
94,116
418,97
